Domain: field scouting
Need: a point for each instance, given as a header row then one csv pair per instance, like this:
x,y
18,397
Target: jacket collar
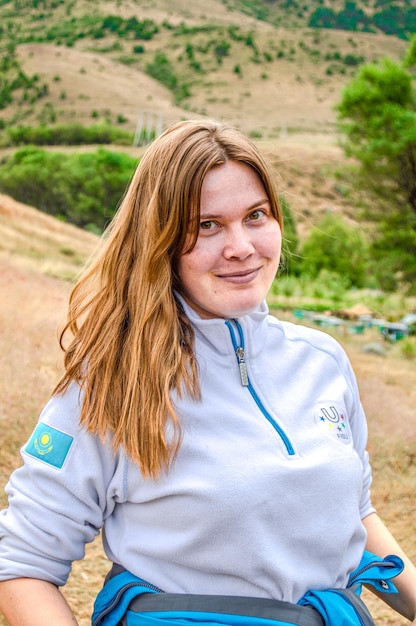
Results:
x,y
215,333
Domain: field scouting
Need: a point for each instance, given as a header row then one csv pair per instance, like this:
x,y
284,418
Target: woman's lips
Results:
x,y
240,277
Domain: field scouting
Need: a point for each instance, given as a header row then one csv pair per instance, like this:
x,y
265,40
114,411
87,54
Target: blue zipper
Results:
x,y
382,564
245,381
114,602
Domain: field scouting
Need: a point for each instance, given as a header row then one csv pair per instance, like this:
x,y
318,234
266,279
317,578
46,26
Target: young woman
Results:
x,y
221,451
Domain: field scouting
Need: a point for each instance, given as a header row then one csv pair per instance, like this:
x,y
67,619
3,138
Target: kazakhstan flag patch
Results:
x,y
49,445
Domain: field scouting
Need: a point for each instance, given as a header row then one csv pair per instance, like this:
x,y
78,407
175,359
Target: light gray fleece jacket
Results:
x,y
265,498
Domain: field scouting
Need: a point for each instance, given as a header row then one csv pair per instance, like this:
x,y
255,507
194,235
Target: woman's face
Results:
x,y
236,256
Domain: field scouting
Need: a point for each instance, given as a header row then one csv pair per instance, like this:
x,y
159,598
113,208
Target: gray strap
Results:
x,y
232,605
359,606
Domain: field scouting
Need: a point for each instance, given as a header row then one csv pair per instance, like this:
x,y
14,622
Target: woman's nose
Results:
x,y
238,244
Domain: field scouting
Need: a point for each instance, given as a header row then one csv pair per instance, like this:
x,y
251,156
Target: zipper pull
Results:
x,y
242,365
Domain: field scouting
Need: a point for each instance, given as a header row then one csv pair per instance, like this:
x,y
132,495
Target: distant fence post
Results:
x,y
148,127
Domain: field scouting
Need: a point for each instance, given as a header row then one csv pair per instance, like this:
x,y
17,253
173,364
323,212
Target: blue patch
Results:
x,y
49,445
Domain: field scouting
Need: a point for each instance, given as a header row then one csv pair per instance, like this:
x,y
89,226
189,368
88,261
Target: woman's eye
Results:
x,y
206,225
255,215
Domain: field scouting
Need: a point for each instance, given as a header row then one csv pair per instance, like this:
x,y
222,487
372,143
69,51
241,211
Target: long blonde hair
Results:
x,y
131,344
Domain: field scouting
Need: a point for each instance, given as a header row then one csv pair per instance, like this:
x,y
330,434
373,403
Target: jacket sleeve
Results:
x,y
359,429
58,499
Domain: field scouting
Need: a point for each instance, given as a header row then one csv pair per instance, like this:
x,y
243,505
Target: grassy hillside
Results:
x,y
98,61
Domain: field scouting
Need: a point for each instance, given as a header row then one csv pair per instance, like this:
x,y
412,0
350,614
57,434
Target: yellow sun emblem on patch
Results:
x,y
43,444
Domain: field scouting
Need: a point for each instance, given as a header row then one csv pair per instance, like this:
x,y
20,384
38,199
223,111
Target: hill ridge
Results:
x,y
185,60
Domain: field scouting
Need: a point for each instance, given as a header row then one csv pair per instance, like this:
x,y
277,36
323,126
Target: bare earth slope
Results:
x,y
292,94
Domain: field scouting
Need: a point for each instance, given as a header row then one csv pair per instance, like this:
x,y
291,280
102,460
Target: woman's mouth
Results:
x,y
240,277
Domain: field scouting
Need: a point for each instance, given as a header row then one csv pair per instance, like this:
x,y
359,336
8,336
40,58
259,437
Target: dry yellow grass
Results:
x,y
33,305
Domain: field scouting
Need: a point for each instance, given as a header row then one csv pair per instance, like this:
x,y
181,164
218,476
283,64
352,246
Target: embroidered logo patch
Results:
x,y
49,445
332,418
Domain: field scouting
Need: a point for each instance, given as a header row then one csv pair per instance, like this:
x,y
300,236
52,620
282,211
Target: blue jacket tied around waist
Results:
x,y
335,607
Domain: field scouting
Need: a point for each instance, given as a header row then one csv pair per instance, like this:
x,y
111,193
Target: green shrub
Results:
x,y
235,33
335,246
5,94
162,69
221,50
249,40
408,348
330,285
144,29
287,286
66,134
353,59
189,50
80,188
327,289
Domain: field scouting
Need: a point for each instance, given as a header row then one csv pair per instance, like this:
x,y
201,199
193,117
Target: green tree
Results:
x,y
352,18
323,17
377,114
337,247
391,20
